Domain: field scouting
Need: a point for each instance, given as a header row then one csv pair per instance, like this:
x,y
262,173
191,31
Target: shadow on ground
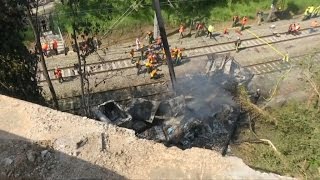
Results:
x,y
20,158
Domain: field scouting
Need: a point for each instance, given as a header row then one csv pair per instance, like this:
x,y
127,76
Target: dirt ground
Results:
x,y
37,142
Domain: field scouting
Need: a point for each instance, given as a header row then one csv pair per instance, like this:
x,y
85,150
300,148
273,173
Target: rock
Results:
x,y
45,154
82,142
31,155
7,161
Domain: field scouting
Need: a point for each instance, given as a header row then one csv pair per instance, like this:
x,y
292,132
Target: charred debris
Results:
x,y
202,114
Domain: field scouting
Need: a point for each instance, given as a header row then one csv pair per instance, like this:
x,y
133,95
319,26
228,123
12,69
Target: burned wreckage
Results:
x,y
203,114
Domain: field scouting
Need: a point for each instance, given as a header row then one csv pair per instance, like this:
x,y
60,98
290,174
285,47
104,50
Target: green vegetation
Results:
x,y
294,130
17,66
103,15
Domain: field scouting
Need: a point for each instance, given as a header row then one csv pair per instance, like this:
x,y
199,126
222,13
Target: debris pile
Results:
x,y
203,114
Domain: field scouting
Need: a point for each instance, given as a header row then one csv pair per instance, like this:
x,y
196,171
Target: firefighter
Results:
x,y
237,44
244,22
149,67
58,74
179,56
150,58
154,74
174,54
311,9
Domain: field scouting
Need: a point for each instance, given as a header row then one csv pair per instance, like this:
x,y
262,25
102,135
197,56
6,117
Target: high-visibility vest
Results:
x,y
45,46
210,28
179,53
153,73
311,9
58,73
244,21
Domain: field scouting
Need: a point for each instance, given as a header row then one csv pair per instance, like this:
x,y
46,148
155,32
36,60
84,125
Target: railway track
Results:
x,y
144,90
278,65
160,88
125,63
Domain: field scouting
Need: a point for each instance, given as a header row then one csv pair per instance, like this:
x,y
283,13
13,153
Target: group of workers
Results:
x,y
153,55
236,21
311,12
45,47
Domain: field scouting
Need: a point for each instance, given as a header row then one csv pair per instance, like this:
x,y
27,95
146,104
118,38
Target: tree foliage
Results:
x,y
93,16
17,65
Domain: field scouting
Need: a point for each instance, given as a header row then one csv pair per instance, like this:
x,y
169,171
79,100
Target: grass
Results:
x,y
211,12
296,136
294,130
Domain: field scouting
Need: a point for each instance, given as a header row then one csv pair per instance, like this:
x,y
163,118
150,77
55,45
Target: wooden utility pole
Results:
x,y
74,10
36,32
80,70
165,41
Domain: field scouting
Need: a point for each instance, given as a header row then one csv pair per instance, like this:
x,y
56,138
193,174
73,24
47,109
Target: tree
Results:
x,y
18,66
28,6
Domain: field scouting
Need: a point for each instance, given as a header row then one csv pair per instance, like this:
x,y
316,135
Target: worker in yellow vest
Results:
x,y
210,31
154,74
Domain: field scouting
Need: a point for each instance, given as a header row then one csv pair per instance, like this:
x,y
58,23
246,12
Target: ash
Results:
x,y
202,114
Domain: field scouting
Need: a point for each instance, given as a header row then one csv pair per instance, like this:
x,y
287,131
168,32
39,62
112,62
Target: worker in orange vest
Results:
x,y
55,46
199,29
244,22
45,49
58,74
314,24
